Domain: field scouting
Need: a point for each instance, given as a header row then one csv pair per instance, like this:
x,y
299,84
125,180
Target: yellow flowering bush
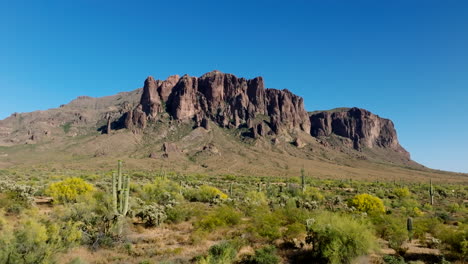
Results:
x,y
402,192
68,190
367,203
205,193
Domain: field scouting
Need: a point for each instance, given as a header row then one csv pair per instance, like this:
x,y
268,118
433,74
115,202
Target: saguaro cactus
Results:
x,y
120,191
409,227
431,192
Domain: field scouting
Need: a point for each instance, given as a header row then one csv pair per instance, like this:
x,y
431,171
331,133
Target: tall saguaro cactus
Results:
x,y
431,192
120,191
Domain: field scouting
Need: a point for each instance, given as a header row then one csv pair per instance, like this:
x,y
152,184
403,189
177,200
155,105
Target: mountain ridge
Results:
x,y
182,119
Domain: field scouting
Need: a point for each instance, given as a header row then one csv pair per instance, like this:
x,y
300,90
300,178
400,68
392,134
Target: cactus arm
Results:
x,y
127,194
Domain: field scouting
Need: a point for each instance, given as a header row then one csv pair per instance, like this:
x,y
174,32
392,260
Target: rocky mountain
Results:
x,y
363,128
234,102
273,119
222,98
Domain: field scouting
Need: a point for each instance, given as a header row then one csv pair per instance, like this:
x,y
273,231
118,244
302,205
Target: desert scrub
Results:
x,y
223,253
95,214
222,216
68,190
162,191
264,255
391,228
34,241
14,198
205,194
181,212
402,192
338,238
152,214
265,224
455,240
367,203
313,194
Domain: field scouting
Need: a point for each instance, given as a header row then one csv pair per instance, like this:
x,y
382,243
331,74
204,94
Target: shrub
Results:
x,y
313,194
36,242
68,190
152,214
254,198
402,192
293,231
339,238
264,255
95,213
367,203
392,229
206,194
179,213
266,224
455,239
221,217
16,197
162,191
389,259
223,253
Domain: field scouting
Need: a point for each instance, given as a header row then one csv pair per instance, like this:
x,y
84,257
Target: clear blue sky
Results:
x,y
404,60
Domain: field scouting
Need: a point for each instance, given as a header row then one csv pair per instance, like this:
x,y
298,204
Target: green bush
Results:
x,y
425,225
179,213
455,239
293,231
162,191
389,259
367,203
337,238
223,253
266,224
221,217
14,198
68,190
95,213
264,255
36,242
392,229
313,194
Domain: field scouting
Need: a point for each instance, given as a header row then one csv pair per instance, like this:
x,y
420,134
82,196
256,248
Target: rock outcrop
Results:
x,y
365,129
223,98
233,102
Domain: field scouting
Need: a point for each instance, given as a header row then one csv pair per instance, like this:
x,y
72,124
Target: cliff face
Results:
x,y
223,98
361,126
